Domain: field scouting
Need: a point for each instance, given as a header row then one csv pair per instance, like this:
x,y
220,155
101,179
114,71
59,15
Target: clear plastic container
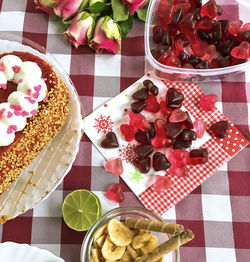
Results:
x,y
173,73
121,213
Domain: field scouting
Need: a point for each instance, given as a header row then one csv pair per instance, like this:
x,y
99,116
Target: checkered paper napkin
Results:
x,y
111,115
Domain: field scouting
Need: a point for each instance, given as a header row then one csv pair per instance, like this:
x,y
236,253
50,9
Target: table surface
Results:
x,y
218,211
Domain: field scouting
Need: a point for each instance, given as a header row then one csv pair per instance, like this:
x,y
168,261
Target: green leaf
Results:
x,y
126,26
142,13
120,11
100,7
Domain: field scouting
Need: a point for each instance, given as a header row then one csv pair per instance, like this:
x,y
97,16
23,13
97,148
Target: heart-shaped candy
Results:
x,y
143,164
143,150
173,130
114,166
241,51
153,105
127,132
110,141
207,102
137,107
115,193
141,94
142,137
174,98
200,127
161,183
220,128
178,116
160,162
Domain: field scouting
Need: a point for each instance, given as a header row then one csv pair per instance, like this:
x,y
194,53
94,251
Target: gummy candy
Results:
x,y
234,27
115,193
153,106
110,141
161,183
217,31
207,102
210,9
127,132
143,150
138,121
172,130
160,162
179,46
210,53
166,40
165,13
160,140
178,158
242,51
138,106
220,128
188,123
198,156
178,116
114,166
200,127
143,164
164,110
245,27
243,36
141,94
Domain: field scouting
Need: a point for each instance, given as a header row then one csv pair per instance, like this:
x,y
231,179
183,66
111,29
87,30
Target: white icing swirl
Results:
x,y
35,88
11,63
6,138
29,70
8,117
22,103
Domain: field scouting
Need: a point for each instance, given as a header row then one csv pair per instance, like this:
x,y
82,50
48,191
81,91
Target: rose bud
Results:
x,y
81,29
67,8
106,36
46,5
134,5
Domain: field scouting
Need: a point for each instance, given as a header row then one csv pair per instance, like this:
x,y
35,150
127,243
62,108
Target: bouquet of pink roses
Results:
x,y
98,23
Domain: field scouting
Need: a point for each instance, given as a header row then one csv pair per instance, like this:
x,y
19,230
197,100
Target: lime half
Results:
x,y
80,209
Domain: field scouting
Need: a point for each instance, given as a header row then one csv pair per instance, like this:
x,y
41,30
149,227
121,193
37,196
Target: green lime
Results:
x,y
80,209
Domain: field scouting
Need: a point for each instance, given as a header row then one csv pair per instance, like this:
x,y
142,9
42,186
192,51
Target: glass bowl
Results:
x,y
121,213
174,73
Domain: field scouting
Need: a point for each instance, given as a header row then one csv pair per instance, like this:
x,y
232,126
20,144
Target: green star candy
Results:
x,y
136,175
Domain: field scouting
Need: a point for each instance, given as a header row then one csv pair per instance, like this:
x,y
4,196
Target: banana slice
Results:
x,y
100,241
95,255
126,257
99,232
110,251
133,254
146,243
119,233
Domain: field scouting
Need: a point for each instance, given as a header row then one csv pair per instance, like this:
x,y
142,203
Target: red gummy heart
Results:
x,y
161,183
127,132
234,27
115,193
153,105
178,158
114,166
207,102
178,116
200,127
177,171
138,121
160,140
165,110
210,9
241,51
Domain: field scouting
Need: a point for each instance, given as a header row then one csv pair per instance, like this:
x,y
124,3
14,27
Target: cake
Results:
x,y
34,105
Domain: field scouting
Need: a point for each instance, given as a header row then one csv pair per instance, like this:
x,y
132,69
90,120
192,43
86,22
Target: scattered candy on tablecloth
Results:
x,y
115,193
114,166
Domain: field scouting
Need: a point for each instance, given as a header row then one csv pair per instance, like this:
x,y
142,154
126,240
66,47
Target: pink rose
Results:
x,y
81,29
106,36
46,5
66,8
134,5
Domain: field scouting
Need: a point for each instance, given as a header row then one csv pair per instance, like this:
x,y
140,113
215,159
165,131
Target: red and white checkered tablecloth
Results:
x,y
218,211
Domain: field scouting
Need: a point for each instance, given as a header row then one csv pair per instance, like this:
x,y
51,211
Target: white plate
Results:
x,y
54,162
10,251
